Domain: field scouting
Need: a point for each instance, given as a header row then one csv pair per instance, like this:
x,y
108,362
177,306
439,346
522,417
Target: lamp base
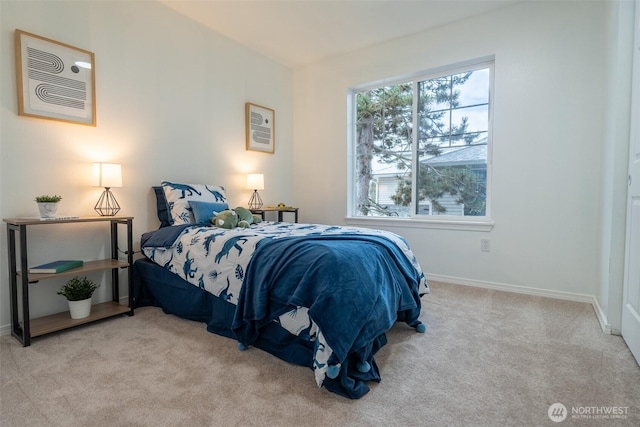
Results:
x,y
255,202
107,204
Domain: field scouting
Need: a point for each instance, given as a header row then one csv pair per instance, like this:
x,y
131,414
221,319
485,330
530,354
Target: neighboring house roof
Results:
x,y
466,155
457,156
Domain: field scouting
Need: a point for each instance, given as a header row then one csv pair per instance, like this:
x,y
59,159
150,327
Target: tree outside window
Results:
x,y
434,127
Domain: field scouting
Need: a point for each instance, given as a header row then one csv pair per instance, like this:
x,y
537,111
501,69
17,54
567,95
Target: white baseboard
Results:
x,y
5,330
569,296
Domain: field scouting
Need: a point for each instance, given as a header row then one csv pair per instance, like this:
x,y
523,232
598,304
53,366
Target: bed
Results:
x,y
311,294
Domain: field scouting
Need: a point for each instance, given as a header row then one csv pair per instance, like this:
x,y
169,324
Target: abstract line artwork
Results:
x,y
260,128
55,81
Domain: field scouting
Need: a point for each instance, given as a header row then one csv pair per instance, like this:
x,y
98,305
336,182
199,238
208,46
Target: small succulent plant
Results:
x,y
48,199
78,288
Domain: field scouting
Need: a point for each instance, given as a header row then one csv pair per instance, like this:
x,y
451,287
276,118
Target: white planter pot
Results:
x,y
48,210
80,309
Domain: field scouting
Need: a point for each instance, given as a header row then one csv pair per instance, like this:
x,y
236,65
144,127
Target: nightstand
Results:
x,y
281,211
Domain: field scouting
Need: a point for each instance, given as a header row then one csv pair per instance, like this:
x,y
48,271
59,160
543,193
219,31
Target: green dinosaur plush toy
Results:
x,y
226,219
238,217
246,218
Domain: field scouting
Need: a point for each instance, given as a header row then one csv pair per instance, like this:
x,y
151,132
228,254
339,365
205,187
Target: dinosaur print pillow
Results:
x,y
179,195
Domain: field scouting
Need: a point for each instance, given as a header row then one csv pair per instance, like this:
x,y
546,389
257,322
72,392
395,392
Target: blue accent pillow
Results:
x,y
204,211
162,207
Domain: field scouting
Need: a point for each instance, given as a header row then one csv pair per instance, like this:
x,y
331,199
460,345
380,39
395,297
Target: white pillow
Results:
x,y
179,195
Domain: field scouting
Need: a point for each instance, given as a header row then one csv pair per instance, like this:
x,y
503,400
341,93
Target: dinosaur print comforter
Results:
x,y
339,287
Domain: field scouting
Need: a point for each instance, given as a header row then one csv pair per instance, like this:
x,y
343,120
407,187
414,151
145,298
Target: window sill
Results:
x,y
436,224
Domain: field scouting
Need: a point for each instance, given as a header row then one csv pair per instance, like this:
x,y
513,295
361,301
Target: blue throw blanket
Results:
x,y
355,286
163,237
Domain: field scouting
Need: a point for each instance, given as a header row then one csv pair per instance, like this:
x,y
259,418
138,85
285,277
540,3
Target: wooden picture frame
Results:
x,y
55,81
260,123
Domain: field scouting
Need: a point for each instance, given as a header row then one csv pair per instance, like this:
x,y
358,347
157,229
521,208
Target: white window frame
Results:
x,y
469,223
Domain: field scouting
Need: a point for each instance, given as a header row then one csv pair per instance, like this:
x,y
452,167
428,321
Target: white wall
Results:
x,y
548,133
170,105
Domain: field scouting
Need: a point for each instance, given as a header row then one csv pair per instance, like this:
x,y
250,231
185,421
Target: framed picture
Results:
x,y
260,124
55,81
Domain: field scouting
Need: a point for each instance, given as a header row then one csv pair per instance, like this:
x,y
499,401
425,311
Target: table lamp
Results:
x,y
107,175
255,182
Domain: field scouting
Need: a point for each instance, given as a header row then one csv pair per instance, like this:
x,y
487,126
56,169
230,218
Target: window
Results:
x,y
421,145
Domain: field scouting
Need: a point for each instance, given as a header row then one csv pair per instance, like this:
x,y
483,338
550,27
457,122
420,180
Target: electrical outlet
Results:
x,y
485,245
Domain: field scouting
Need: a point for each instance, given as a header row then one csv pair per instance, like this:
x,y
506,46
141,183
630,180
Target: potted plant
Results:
x,y
78,292
48,205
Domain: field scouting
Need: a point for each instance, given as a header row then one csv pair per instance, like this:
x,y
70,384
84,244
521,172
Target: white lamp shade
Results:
x,y
255,181
107,175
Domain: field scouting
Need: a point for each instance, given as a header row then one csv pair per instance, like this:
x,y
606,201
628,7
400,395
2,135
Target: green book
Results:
x,y
56,266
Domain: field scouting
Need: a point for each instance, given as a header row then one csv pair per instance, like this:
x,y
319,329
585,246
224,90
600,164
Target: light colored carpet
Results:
x,y
488,358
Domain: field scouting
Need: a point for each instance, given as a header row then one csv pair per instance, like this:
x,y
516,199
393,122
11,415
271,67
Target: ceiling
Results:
x,y
300,32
